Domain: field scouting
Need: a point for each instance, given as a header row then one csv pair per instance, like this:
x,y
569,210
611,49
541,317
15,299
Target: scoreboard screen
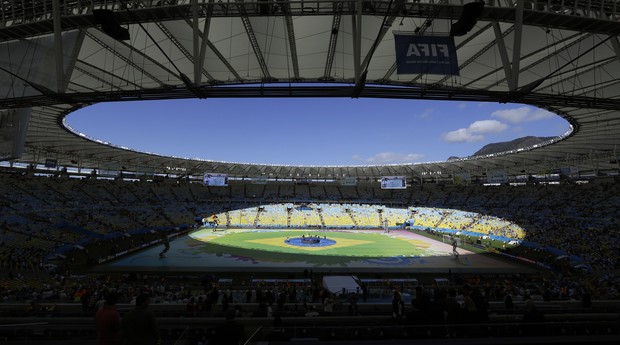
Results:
x,y
393,182
217,180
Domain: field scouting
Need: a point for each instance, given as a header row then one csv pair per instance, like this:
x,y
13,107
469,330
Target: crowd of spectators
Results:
x,y
465,306
41,215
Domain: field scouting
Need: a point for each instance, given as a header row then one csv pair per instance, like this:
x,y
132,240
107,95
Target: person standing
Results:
x,y
139,326
454,246
108,321
328,305
166,242
398,306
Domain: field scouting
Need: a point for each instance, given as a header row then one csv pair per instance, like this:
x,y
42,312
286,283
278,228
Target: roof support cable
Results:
x,y
594,73
547,30
51,94
34,52
529,88
575,77
113,63
11,88
191,85
184,78
564,42
40,88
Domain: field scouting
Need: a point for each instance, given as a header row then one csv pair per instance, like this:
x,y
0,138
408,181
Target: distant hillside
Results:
x,y
510,145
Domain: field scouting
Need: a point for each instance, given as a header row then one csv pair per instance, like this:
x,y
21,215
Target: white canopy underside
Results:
x,y
310,49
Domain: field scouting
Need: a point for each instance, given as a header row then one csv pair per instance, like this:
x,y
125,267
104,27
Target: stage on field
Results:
x,y
277,250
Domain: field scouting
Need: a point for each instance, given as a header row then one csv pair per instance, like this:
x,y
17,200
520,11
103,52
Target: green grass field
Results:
x,y
265,250
348,244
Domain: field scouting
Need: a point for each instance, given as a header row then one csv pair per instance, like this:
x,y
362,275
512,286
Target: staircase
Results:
x,y
256,219
227,215
444,215
348,211
320,212
288,217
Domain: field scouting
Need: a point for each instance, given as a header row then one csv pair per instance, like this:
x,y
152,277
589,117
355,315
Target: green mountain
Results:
x,y
510,145
507,146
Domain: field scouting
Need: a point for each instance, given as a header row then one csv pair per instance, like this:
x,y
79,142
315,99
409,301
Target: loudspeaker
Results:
x,y
263,8
13,128
469,18
110,26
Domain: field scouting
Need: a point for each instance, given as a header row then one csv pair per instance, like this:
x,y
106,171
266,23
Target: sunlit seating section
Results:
x,y
305,216
496,226
395,216
243,217
366,216
274,215
335,216
457,220
425,216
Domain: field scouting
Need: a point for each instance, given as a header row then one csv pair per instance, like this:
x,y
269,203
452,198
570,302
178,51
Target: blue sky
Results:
x,y
334,131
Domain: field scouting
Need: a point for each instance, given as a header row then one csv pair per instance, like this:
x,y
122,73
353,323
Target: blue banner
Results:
x,y
425,55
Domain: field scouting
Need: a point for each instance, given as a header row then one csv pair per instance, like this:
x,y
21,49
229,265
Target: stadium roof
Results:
x,y
56,57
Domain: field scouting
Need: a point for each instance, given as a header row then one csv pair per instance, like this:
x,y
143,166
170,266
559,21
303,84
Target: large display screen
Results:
x,y
393,182
217,180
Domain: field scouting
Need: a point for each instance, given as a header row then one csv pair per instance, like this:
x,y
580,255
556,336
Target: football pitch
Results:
x,y
341,244
276,250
